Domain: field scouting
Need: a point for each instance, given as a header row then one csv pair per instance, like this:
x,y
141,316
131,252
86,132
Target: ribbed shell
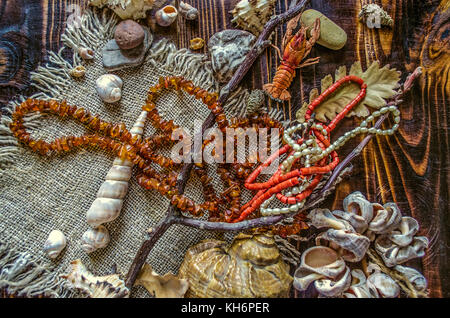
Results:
x,y
250,267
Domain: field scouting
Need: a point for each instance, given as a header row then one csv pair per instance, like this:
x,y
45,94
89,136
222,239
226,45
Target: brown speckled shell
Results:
x,y
250,267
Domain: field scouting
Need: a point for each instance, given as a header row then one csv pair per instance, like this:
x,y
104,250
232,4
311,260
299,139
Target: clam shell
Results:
x,y
109,88
110,286
55,243
354,245
250,267
95,238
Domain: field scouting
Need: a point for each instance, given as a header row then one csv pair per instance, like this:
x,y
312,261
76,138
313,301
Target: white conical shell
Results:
x,y
404,235
95,238
119,173
166,15
103,210
55,243
383,285
354,245
413,276
109,88
113,189
334,287
386,218
320,218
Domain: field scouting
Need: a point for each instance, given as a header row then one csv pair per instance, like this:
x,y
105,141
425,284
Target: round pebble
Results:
x,y
129,34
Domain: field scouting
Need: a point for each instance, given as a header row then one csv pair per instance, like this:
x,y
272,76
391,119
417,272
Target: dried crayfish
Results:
x,y
297,47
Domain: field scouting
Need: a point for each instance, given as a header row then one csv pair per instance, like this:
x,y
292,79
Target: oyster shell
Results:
x,y
109,286
250,267
252,15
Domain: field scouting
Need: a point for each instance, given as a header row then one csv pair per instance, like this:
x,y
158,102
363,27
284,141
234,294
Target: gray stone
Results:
x,y
228,49
115,58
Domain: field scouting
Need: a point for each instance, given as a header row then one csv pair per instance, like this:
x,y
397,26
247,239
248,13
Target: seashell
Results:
x,y
386,218
55,243
375,16
188,11
405,233
354,245
78,71
320,218
166,286
228,49
358,211
94,239
358,288
127,9
86,53
316,263
250,267
110,286
166,16
196,43
109,88
332,288
413,276
106,207
252,15
383,285
392,254
255,101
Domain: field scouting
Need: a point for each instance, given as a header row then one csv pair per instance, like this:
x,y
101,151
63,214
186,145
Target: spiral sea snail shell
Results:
x,y
95,238
109,88
166,16
55,243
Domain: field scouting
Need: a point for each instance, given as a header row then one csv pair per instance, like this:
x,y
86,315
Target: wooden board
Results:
x,y
410,168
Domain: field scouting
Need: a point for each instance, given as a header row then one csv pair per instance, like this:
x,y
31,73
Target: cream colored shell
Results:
x,y
188,11
55,243
109,88
109,286
250,267
252,15
126,9
95,238
166,16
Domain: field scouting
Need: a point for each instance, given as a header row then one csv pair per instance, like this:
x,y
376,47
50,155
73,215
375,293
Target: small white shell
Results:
x,y
386,218
188,11
403,236
86,53
94,239
413,276
78,71
320,218
103,210
109,88
392,254
331,288
55,243
354,245
383,285
166,16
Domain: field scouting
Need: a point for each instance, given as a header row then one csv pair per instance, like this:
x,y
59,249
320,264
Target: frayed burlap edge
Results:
x,y
20,274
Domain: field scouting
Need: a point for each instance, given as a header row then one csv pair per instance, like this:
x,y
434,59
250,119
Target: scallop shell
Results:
x,y
86,53
95,238
353,245
166,16
188,11
250,267
109,88
126,9
55,243
252,15
78,71
110,286
383,285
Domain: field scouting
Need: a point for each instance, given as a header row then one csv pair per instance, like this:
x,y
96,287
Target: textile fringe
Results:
x,y
21,276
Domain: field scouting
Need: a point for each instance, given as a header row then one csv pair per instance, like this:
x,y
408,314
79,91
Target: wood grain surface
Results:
x,y
409,168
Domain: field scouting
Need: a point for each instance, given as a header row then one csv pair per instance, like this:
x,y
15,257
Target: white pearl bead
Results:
x,y
384,110
395,127
293,208
376,114
392,108
370,118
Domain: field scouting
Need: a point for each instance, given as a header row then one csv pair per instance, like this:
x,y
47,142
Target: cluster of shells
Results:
x,y
348,237
252,15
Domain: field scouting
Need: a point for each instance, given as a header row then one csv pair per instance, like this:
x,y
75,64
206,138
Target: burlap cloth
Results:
x,y
39,194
